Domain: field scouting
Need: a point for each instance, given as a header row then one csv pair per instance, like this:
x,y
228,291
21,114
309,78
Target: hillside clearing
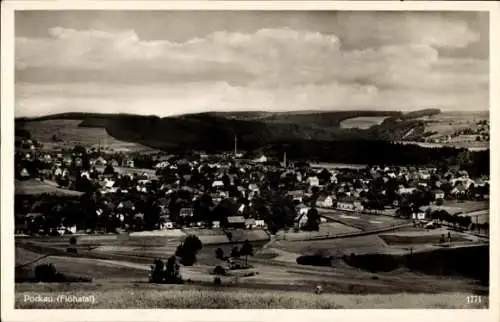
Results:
x,y
362,122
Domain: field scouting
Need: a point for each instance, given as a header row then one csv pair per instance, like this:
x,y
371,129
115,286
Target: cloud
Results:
x,y
437,29
271,68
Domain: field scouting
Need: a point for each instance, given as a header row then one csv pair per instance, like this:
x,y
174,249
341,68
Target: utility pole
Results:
x,y
284,160
235,145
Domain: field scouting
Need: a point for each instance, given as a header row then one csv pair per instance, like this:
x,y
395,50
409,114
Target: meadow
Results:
x,y
363,222
70,134
36,187
362,122
141,296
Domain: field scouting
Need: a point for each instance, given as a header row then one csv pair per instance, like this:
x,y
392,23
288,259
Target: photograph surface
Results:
x,y
251,159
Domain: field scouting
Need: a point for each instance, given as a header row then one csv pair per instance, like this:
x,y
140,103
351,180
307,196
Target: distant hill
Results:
x,y
215,131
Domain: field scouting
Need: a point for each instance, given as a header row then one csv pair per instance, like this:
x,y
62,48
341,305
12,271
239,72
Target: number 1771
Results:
x,y
474,299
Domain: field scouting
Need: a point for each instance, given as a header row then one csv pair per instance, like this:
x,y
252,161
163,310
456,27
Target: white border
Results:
x,y
7,148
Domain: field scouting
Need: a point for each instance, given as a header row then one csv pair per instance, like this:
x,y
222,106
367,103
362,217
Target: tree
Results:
x,y
235,252
109,169
313,220
157,274
172,271
188,250
219,253
324,176
246,250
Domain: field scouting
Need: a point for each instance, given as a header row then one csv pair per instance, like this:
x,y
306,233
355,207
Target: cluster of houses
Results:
x,y
178,187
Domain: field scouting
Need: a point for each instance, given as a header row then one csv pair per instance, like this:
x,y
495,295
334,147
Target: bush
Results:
x,y
219,254
219,270
315,260
71,250
217,281
46,273
72,240
169,273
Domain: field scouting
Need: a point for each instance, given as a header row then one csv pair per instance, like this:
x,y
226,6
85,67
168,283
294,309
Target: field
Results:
x,y
447,123
70,135
362,122
36,187
335,247
467,206
120,265
141,296
408,239
362,222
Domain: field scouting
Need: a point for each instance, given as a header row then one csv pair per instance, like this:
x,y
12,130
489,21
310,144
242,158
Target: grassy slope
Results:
x,y
141,295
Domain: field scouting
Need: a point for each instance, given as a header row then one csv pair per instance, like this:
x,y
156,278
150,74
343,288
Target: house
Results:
x,y
67,160
259,223
253,187
325,202
217,184
296,195
186,212
24,173
167,225
261,159
100,161
313,181
419,215
302,209
346,204
459,190
128,163
250,223
438,194
301,220
236,222
161,165
350,204
402,191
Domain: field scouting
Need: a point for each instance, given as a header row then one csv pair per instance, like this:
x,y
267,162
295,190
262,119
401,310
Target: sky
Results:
x,y
174,62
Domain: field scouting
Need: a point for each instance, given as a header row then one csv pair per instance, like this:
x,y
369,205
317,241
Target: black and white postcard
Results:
x,y
325,156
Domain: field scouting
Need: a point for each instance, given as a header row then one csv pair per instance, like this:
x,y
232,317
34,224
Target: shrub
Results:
x,y
219,270
166,273
315,260
72,240
219,254
46,273
71,250
217,281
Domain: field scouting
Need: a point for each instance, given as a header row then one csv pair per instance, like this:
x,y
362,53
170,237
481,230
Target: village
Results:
x,y
118,192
